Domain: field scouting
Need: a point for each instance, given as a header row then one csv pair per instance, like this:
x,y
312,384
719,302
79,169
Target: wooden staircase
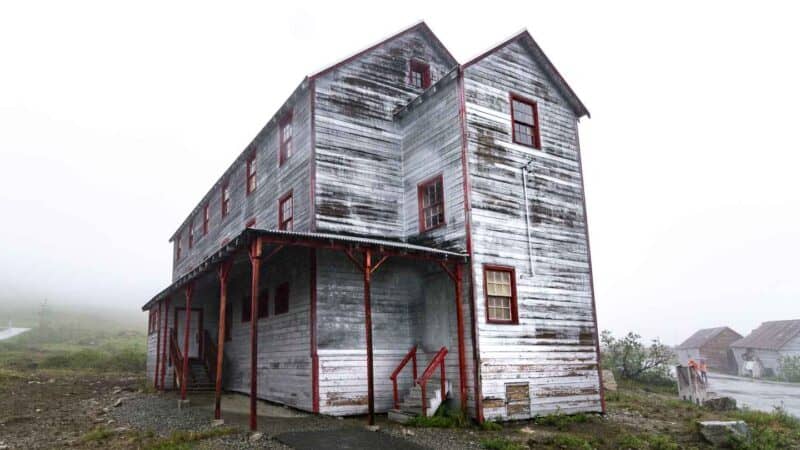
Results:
x,y
426,395
200,377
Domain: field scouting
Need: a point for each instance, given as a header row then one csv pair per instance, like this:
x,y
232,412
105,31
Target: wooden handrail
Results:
x,y
422,381
411,355
210,354
175,355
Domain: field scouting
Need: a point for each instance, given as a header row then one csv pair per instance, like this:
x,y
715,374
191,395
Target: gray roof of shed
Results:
x,y
701,337
770,335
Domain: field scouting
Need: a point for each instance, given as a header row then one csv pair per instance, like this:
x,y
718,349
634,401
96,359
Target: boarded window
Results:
x,y
518,399
525,122
226,199
246,310
431,203
419,74
282,299
286,149
501,298
251,173
286,212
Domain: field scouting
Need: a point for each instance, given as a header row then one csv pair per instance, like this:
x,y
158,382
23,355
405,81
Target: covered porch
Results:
x,y
351,325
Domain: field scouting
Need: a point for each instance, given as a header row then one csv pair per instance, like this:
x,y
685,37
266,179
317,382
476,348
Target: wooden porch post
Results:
x,y
166,342
462,357
186,327
224,270
255,262
368,324
158,347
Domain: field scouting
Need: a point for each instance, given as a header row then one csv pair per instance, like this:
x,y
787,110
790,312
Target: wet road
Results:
x,y
6,333
756,394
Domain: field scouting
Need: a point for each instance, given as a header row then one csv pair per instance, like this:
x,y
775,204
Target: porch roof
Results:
x,y
304,239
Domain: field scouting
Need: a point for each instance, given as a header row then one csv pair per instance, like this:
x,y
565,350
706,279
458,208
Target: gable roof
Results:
x,y
420,26
770,335
702,337
527,41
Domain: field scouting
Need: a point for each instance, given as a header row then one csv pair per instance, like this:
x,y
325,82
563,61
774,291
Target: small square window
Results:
x,y
282,299
286,148
501,296
285,212
419,74
431,203
524,122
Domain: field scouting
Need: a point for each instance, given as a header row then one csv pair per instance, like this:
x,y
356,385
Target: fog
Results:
x,y
116,118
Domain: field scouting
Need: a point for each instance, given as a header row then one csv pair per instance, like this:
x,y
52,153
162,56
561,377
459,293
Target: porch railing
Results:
x,y
422,381
175,356
210,354
410,356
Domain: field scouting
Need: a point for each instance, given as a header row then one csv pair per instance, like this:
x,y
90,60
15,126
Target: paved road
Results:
x,y
756,394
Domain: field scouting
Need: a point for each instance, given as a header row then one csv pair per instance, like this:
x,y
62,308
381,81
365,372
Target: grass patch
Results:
x,y
98,434
768,430
184,439
490,425
561,421
502,444
567,441
444,418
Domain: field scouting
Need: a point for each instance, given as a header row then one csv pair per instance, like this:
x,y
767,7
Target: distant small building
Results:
x,y
759,354
713,345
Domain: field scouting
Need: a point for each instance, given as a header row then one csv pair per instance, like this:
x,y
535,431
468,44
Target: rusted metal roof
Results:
x,y
701,337
770,335
320,240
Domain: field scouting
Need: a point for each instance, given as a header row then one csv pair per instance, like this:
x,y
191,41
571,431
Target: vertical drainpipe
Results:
x,y
527,214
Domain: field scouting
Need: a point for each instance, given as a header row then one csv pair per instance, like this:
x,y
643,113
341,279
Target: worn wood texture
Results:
x,y
553,347
359,165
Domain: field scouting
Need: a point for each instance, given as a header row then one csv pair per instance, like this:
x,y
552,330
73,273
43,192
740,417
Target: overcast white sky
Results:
x,y
115,118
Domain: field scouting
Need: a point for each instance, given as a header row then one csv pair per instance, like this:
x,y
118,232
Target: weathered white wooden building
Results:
x,y
404,227
759,353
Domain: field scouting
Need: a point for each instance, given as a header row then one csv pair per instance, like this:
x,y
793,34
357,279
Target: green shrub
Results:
x,y
790,368
490,425
630,359
444,418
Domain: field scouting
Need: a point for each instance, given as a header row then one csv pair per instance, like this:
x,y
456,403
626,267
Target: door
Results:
x,y
194,330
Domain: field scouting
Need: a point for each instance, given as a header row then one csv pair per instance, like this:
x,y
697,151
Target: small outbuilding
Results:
x,y
712,344
759,354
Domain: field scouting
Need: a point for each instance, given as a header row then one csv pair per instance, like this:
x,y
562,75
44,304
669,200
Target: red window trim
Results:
x,y
206,218
282,220
246,310
191,234
420,213
282,157
514,312
415,65
178,249
537,143
278,291
225,206
250,223
250,173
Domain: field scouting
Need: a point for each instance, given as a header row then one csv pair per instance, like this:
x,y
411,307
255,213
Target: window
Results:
x,y
285,212
191,233
251,173
178,248
501,294
286,139
263,304
206,218
246,311
524,122
419,74
431,203
282,299
152,325
226,199
250,223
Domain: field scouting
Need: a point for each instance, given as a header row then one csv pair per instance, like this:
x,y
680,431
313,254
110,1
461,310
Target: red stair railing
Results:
x,y
175,355
411,355
210,354
422,381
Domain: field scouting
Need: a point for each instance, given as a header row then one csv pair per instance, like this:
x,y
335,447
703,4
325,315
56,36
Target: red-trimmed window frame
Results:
x,y
535,134
246,316
513,304
152,325
191,234
206,218
286,147
419,74
263,304
250,223
286,223
225,199
250,178
178,249
421,188
282,299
